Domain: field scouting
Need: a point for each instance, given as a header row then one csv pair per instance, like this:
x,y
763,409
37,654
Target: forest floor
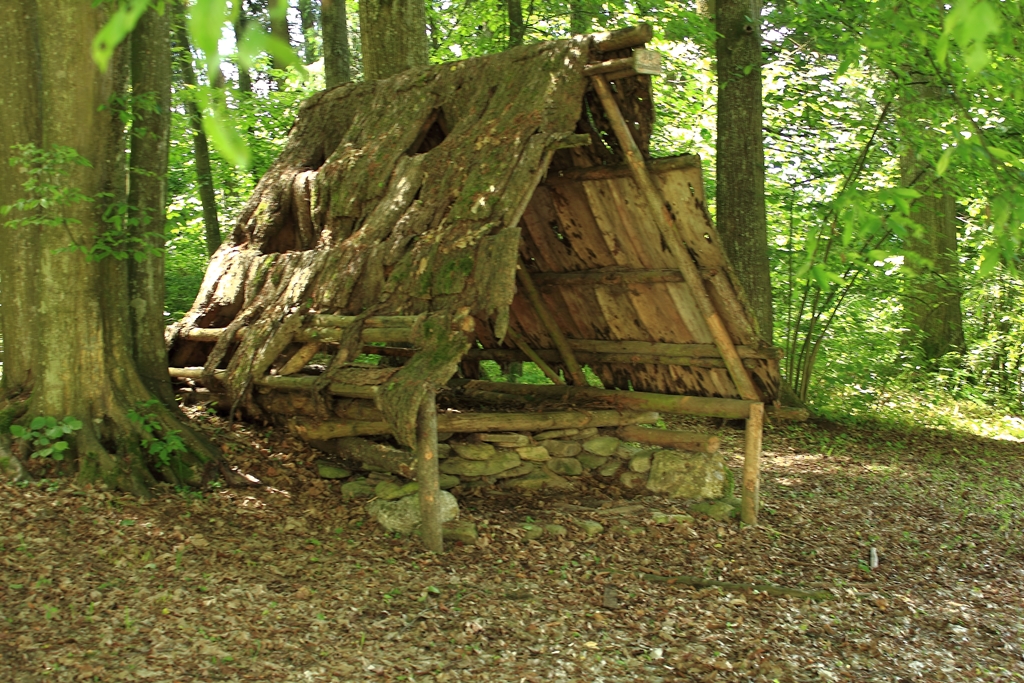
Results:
x,y
287,582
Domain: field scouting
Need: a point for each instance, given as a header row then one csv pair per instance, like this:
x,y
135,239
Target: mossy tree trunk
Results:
x,y
394,36
70,316
739,161
150,135
932,296
337,54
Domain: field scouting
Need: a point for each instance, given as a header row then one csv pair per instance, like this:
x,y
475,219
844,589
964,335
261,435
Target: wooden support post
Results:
x,y
752,465
427,474
546,319
670,233
532,355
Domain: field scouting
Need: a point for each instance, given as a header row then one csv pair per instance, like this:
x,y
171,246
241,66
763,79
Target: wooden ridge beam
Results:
x,y
642,61
622,38
670,232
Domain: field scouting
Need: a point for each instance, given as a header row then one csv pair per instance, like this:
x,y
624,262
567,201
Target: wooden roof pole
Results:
x,y
532,355
666,225
546,319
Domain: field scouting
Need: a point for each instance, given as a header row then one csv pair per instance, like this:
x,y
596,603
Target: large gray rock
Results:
x,y
392,490
562,449
534,453
601,445
566,466
687,475
591,461
555,434
359,488
329,470
474,451
503,460
505,440
403,515
520,471
540,478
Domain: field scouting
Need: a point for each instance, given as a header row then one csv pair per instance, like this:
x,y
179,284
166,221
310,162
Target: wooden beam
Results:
x,y
514,337
481,422
654,166
572,366
290,383
627,400
312,334
670,438
622,38
427,474
640,62
670,234
752,464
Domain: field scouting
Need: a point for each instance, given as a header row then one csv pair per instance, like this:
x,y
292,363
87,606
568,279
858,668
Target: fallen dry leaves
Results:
x,y
286,582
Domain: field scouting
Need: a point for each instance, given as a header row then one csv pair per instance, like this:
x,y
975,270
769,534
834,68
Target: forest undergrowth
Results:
x,y
285,581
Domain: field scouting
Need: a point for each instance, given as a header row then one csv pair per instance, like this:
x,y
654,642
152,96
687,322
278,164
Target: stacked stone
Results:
x,y
549,460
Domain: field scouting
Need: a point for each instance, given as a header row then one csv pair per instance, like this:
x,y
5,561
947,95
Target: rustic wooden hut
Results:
x,y
503,207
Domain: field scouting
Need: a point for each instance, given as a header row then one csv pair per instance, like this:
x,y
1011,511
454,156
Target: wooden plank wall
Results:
x,y
581,225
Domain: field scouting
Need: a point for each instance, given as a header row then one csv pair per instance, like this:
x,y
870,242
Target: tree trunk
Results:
x,y
151,124
739,165
308,14
932,297
278,10
204,172
394,36
337,56
516,25
241,21
80,363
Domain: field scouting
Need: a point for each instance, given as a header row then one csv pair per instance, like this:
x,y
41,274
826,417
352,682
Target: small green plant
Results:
x,y
46,436
165,445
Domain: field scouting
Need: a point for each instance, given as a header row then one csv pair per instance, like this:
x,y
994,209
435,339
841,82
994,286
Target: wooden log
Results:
x,y
312,334
670,234
654,166
516,339
632,400
622,38
481,422
427,474
292,383
642,61
666,349
376,455
299,360
572,366
669,438
752,465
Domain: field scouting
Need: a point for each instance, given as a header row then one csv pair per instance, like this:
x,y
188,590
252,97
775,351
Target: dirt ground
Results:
x,y
288,582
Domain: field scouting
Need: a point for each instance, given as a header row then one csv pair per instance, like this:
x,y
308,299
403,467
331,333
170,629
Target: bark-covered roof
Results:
x,y
406,197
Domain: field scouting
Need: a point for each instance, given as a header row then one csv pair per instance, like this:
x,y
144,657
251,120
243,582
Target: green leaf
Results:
x,y
205,23
73,422
989,260
226,139
117,28
61,446
37,423
943,162
19,432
